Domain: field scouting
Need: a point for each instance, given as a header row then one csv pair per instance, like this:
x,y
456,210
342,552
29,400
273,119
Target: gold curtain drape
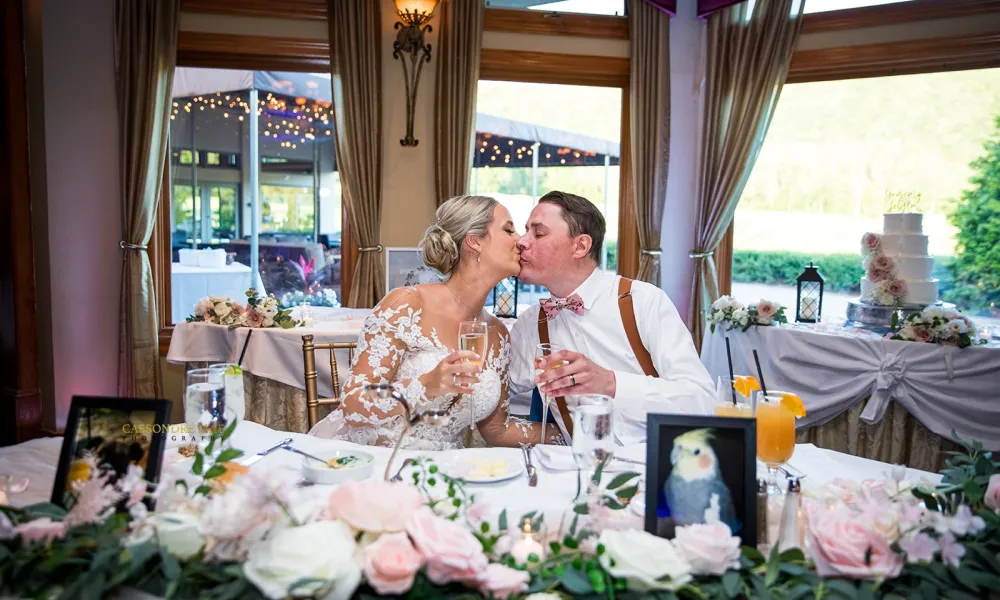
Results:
x,y
145,57
356,77
649,95
459,44
747,59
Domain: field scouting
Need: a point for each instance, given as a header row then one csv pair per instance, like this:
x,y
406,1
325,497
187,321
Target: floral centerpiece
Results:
x,y
880,269
257,313
229,532
935,325
732,312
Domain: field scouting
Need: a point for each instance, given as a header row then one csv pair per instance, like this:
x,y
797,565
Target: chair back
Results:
x,y
313,401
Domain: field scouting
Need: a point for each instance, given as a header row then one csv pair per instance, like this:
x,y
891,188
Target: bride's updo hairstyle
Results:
x,y
442,244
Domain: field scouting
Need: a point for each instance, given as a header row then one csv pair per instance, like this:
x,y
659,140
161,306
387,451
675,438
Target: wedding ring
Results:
x,y
572,381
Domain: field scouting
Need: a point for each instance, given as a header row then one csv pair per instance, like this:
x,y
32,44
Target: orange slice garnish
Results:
x,y
794,404
233,470
745,384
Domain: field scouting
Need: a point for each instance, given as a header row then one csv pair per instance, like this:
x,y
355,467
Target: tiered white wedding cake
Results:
x,y
897,265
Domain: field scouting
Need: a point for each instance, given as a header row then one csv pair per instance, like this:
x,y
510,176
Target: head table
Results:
x,y
889,400
37,459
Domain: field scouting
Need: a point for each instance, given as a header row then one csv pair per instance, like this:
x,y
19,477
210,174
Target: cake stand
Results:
x,y
879,318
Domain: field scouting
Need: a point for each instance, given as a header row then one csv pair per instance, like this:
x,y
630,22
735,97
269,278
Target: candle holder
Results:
x,y
428,416
528,540
809,296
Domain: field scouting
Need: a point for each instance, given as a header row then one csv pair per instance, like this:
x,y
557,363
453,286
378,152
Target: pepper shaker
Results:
x,y
788,536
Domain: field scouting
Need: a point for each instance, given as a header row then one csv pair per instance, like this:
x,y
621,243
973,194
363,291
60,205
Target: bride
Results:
x,y
409,342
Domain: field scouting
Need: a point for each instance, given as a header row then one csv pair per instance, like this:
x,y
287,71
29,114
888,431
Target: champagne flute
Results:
x,y
205,403
472,336
543,351
593,435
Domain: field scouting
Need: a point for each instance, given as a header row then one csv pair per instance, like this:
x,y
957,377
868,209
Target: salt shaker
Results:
x,y
762,537
788,536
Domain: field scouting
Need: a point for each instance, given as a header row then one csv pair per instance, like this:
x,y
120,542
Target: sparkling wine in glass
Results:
x,y
472,336
205,404
543,351
593,435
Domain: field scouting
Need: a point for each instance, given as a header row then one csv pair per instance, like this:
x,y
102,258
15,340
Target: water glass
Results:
x,y
232,375
205,404
593,434
543,351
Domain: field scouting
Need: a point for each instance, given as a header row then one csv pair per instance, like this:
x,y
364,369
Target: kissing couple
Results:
x,y
620,338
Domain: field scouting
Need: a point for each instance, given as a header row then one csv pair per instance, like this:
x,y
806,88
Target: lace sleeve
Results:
x,y
381,346
503,429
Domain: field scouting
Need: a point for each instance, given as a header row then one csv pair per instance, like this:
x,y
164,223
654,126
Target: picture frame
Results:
x,y
733,444
405,267
119,432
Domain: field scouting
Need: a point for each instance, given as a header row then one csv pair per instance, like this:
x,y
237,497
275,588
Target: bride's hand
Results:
x,y
453,375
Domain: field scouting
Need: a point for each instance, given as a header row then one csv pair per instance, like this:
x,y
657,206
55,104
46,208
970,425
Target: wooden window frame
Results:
x,y
575,69
230,51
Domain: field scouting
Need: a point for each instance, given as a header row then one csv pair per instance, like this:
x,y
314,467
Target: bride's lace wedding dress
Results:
x,y
399,344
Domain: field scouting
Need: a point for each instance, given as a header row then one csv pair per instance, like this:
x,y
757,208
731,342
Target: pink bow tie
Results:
x,y
552,306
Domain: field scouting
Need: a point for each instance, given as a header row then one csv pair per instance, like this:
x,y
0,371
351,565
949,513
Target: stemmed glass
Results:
x,y
593,434
205,404
775,436
232,375
472,336
543,351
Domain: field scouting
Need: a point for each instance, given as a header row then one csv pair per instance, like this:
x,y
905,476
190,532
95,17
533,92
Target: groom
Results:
x,y
622,338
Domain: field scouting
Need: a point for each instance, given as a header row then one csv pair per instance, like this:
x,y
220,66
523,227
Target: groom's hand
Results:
x,y
578,375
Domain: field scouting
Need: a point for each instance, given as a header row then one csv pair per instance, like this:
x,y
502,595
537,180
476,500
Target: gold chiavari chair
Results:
x,y
313,401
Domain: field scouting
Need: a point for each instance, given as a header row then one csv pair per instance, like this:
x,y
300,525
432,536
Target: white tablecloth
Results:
x,y
190,284
554,494
273,353
944,388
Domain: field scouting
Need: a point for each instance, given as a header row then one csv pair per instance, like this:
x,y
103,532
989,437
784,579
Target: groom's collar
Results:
x,y
590,289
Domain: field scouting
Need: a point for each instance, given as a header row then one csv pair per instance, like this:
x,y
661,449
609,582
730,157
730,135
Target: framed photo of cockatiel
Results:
x,y
700,470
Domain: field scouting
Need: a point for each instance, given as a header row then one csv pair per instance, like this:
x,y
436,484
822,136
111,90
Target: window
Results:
x,y
213,163
815,6
838,154
532,138
591,7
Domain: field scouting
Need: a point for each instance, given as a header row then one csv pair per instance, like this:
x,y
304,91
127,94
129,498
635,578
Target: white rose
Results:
x,y
885,299
222,309
722,303
268,322
202,307
741,316
958,326
643,559
320,550
178,534
930,313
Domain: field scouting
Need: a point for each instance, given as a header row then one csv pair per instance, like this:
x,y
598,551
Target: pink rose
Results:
x,y
767,309
451,551
922,334
477,512
871,241
876,275
374,506
710,549
42,529
840,541
238,309
883,263
898,287
391,563
253,318
500,581
992,498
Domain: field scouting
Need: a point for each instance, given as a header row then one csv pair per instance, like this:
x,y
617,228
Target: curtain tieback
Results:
x,y
126,246
376,248
651,252
694,254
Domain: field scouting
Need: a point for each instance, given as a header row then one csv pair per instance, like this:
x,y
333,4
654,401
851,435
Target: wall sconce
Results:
x,y
414,16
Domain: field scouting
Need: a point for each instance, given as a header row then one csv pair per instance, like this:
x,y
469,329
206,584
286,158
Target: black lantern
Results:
x,y
505,298
809,296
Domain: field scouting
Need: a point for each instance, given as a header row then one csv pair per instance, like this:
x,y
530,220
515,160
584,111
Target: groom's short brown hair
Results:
x,y
582,216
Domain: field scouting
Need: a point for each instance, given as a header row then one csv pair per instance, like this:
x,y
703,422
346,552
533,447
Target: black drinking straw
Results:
x,y
760,374
245,344
732,378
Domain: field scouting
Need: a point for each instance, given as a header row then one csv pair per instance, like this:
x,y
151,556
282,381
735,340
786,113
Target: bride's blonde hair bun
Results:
x,y
457,218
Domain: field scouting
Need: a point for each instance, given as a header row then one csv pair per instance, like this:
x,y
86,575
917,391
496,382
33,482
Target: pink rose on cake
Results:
x,y
921,334
871,242
875,274
898,287
883,263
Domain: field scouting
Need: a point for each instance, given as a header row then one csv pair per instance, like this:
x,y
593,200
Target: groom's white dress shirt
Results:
x,y
683,386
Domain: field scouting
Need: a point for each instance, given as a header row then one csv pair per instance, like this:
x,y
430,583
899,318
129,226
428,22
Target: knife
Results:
x,y
253,459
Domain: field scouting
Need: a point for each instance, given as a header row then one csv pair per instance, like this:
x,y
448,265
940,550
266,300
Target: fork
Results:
x,y
399,474
529,467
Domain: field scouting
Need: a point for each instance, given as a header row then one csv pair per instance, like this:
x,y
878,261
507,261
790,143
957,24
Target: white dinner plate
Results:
x,y
482,466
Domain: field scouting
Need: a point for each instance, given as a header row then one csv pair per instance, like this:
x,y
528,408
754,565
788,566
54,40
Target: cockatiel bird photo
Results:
x,y
695,483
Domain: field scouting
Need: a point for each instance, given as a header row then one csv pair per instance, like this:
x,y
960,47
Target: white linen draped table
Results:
x,y
190,284
554,494
944,388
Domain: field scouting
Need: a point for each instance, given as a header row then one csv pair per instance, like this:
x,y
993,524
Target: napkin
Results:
x,y
560,458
